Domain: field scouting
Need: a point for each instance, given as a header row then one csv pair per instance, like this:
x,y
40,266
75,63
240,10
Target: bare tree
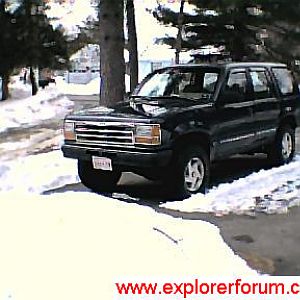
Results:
x,y
112,64
132,45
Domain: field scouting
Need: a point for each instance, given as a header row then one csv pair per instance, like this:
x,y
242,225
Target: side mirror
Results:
x,y
127,95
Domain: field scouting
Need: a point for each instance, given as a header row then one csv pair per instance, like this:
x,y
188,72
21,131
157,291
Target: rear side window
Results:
x,y
285,80
261,86
236,86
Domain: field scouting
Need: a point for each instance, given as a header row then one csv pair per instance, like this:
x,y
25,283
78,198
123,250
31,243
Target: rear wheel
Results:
x,y
283,150
97,180
189,173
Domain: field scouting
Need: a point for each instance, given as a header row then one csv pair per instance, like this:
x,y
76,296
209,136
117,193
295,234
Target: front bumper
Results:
x,y
131,159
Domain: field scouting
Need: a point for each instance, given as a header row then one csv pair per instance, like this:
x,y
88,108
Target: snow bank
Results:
x,y
17,89
37,173
273,190
76,245
23,112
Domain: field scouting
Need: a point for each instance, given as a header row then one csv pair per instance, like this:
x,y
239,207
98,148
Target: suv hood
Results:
x,y
141,109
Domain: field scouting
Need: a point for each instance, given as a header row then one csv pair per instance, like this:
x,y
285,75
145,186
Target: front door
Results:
x,y
235,115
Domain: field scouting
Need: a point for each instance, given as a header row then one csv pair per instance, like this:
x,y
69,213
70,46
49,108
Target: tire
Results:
x,y
189,173
283,149
97,180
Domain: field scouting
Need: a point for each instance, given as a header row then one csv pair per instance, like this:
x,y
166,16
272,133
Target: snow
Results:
x,y
76,245
31,110
271,191
37,173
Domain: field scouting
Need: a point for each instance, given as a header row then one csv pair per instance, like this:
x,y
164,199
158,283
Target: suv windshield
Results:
x,y
181,82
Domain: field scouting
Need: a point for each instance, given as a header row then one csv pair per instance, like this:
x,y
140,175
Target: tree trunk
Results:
x,y
112,62
34,87
179,34
132,45
5,82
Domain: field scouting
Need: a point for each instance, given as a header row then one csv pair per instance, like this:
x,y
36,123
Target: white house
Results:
x,y
86,62
158,56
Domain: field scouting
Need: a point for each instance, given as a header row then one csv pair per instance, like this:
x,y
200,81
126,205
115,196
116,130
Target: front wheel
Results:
x,y
97,180
283,150
189,173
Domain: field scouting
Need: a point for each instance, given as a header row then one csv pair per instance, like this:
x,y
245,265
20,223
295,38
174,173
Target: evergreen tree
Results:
x,y
42,45
28,39
9,42
249,30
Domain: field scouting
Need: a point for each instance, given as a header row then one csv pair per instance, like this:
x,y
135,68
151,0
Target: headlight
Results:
x,y
147,134
69,131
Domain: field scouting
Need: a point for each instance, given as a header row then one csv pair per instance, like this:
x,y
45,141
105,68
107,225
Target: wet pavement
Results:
x,y
39,138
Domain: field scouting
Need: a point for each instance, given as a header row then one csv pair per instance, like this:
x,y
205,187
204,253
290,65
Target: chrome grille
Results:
x,y
104,133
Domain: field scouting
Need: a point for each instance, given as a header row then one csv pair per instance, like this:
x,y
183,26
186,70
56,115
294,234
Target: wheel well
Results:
x,y
290,121
200,139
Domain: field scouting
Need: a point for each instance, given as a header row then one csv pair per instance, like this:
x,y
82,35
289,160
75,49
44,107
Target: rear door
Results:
x,y
287,89
266,105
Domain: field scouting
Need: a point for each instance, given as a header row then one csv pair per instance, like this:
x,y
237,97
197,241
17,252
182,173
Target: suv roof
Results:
x,y
229,65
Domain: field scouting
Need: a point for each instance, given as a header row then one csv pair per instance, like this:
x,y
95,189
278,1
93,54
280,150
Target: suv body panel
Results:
x,y
224,128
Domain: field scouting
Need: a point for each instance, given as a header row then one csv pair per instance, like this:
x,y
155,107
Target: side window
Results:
x,y
285,80
261,85
236,87
209,82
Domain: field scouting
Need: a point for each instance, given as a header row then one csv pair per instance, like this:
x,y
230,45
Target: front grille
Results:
x,y
104,133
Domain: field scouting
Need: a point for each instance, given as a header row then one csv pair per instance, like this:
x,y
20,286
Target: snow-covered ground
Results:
x,y
270,191
23,110
75,245
37,173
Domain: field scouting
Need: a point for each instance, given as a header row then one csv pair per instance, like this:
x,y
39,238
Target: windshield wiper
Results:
x,y
169,97
141,97
175,96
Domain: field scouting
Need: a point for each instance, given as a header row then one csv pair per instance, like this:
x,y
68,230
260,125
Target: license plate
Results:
x,y
102,163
